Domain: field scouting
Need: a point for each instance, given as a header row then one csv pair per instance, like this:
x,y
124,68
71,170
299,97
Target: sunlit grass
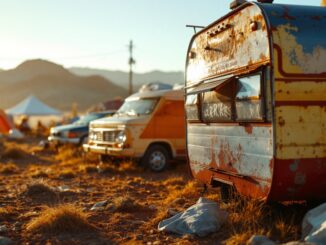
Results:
x,y
62,219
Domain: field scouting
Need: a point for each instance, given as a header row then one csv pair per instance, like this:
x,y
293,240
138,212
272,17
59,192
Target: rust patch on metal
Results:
x,y
248,128
281,121
286,14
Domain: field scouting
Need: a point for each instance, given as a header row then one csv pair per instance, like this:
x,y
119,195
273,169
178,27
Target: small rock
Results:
x,y
156,243
99,205
17,226
260,240
151,232
63,188
5,241
139,237
3,228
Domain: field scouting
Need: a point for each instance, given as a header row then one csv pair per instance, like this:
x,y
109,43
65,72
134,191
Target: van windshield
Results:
x,y
137,107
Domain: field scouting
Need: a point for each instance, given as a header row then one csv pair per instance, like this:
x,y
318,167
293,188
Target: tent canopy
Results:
x,y
32,106
5,123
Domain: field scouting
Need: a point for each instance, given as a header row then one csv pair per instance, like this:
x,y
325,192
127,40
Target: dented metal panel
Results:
x,y
234,149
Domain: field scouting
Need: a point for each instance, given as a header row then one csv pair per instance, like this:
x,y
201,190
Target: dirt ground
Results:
x,y
34,181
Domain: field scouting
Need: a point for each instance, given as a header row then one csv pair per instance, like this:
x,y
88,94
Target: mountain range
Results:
x,y
122,78
54,85
60,87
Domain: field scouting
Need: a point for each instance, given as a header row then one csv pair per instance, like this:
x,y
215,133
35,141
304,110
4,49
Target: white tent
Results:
x,y
32,106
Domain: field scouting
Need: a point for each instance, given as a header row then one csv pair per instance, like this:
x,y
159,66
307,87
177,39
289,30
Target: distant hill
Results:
x,y
122,78
54,85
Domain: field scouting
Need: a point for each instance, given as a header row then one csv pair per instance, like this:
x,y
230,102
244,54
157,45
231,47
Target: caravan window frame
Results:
x,y
234,113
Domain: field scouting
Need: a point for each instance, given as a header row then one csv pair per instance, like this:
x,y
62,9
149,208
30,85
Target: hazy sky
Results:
x,y
96,33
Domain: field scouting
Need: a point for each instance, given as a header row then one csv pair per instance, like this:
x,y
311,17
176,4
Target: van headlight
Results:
x,y
121,137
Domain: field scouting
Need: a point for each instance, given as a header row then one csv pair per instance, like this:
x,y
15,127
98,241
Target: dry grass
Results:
x,y
7,213
13,153
41,191
189,191
125,204
67,174
68,152
174,181
62,219
8,168
88,169
39,174
248,217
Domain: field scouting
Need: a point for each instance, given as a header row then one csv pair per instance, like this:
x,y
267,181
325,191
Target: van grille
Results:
x,y
105,136
109,136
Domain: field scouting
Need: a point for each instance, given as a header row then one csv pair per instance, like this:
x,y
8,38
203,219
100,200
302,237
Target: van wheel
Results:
x,y
156,158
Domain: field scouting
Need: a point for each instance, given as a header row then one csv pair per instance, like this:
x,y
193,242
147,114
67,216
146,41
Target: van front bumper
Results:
x,y
61,140
105,150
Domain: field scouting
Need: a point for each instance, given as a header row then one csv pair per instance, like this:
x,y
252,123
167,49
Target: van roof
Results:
x,y
167,93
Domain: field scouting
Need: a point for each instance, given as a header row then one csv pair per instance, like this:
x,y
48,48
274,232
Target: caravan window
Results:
x,y
248,100
234,100
192,107
217,104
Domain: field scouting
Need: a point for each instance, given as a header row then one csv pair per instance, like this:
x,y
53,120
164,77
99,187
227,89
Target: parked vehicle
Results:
x,y
77,132
149,126
256,104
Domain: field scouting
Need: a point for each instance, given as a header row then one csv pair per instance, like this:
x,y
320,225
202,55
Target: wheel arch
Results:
x,y
165,144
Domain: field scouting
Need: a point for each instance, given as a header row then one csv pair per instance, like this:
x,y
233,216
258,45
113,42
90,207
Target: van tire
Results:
x,y
156,158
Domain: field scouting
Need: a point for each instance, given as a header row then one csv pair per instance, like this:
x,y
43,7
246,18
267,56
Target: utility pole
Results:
x,y
131,62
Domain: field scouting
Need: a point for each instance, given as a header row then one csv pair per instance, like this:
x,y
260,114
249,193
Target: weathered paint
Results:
x,y
233,150
299,94
287,159
229,45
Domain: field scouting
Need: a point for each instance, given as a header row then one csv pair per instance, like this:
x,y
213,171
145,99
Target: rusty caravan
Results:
x,y
256,102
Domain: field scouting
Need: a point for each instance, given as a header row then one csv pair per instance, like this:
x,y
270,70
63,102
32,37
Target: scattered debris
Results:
x,y
201,219
99,205
314,225
63,188
3,228
260,240
5,240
